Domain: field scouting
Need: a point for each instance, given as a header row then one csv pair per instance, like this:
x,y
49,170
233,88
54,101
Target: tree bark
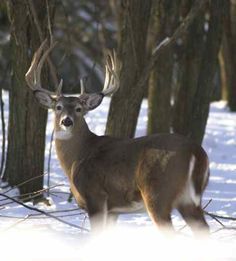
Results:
x,y
196,86
27,121
189,58
201,104
164,22
229,53
125,105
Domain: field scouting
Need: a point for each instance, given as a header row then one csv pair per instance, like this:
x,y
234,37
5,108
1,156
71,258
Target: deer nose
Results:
x,y
67,122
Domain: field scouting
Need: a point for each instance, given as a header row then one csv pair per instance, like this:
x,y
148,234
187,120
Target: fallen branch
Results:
x,y
49,161
38,215
219,216
3,158
223,228
3,135
206,205
29,196
43,212
218,221
23,183
17,223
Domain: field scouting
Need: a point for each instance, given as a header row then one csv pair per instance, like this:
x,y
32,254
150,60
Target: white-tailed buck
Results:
x,y
109,176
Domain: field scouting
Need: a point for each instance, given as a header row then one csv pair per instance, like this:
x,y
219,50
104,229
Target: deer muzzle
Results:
x,y
67,122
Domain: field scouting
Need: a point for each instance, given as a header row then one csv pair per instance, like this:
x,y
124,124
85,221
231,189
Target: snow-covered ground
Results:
x,y
28,235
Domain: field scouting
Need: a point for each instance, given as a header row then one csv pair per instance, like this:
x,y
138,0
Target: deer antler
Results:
x,y
112,67
33,75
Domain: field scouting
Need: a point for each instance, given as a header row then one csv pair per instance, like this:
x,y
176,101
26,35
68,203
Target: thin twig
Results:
x,y
36,193
41,37
30,195
24,182
39,215
219,216
223,228
16,224
49,161
44,213
3,136
207,204
3,123
218,221
84,220
49,23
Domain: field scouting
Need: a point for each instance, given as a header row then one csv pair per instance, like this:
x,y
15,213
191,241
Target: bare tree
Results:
x,y
197,72
27,121
229,53
165,19
133,27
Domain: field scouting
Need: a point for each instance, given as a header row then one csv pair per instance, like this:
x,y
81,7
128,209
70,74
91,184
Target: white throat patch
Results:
x,y
63,134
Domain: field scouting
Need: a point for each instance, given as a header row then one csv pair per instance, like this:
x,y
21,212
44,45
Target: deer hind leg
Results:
x,y
158,188
159,207
194,217
189,202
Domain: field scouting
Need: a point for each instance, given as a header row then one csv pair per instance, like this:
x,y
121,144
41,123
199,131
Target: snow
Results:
x,y
28,235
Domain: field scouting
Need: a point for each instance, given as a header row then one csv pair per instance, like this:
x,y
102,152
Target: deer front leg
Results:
x,y
111,220
97,211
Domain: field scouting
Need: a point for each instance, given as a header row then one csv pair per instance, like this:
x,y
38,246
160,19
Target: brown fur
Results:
x,y
108,173
109,176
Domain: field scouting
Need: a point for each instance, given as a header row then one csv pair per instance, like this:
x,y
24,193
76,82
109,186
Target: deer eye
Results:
x,y
58,107
78,109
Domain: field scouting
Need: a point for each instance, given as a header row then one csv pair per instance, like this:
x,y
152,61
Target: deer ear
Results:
x,y
44,99
91,101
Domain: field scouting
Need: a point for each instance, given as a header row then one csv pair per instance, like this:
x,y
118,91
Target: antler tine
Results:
x,y
111,83
82,86
107,77
59,88
30,75
41,62
33,75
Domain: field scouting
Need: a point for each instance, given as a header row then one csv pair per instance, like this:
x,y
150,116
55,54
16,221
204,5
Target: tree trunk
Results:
x,y
165,20
190,55
229,53
196,85
200,109
27,121
125,105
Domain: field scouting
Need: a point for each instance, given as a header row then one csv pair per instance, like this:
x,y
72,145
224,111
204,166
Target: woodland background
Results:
x,y
179,75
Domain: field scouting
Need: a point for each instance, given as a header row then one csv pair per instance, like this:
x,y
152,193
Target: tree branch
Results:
x,y
44,213
41,37
168,42
49,160
219,216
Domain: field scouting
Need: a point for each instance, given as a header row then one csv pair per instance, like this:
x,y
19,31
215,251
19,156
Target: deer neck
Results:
x,y
73,145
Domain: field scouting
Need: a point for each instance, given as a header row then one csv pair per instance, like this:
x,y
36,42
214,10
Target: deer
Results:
x,y
109,176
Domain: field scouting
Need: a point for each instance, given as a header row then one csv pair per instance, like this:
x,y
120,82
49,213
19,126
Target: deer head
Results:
x,y
68,110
